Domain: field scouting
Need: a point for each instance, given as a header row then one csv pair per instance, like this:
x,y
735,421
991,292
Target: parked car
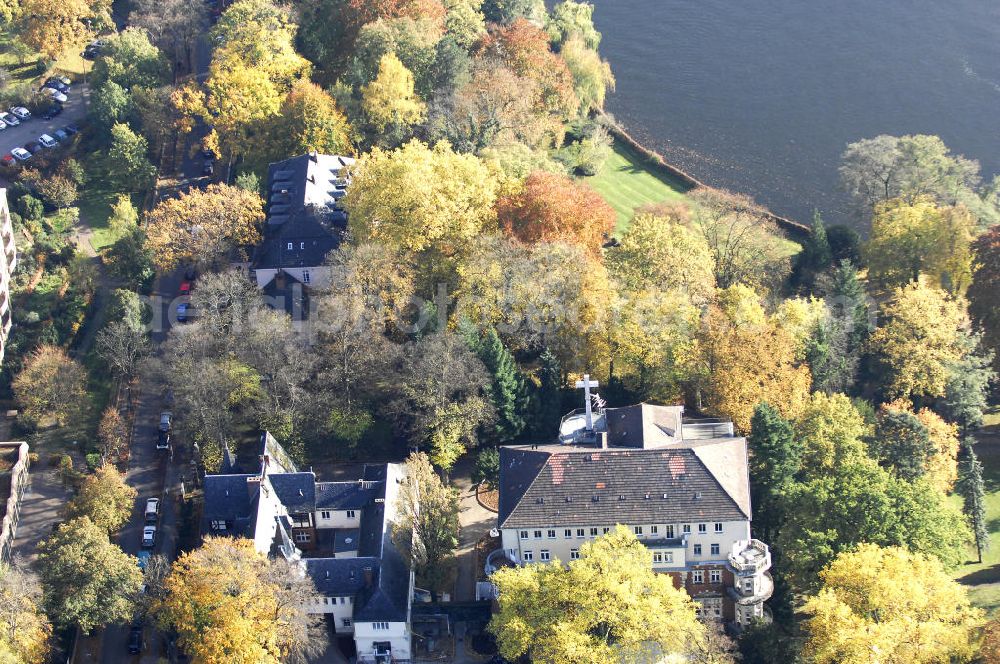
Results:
x,y
55,94
33,147
52,111
21,154
152,509
60,83
60,135
148,537
9,119
166,420
185,288
47,141
135,640
71,129
3,127
163,440
21,112
8,160
143,557
182,312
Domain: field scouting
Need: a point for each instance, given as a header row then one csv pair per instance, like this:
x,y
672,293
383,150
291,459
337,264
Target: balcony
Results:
x,y
749,557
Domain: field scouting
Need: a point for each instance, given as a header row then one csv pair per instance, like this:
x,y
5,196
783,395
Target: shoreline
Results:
x,y
656,161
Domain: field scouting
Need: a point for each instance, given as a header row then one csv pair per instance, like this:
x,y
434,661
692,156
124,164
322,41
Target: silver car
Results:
x,y
9,119
47,141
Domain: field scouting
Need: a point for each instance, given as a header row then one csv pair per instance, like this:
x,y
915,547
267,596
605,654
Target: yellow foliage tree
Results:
x,y
749,358
417,198
919,340
607,606
390,98
105,498
916,237
889,605
228,605
239,100
53,26
202,227
831,432
24,629
942,466
51,384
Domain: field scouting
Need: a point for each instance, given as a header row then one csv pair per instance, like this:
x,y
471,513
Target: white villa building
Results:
x,y
340,532
681,486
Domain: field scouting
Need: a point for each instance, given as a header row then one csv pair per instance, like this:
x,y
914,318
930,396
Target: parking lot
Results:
x,y
74,110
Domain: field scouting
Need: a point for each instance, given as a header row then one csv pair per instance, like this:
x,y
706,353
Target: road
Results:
x,y
74,110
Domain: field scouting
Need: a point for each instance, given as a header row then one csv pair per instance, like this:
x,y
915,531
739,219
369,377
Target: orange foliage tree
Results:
x,y
554,208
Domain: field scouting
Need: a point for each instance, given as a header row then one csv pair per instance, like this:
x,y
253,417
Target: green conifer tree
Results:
x,y
507,390
970,487
547,400
775,458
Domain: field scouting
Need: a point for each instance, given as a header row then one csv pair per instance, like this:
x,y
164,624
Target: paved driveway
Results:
x,y
73,111
475,522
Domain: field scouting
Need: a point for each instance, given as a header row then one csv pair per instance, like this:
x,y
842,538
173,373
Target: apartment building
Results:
x,y
8,261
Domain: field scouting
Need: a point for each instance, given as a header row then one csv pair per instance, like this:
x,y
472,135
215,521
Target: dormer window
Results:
x,y
291,245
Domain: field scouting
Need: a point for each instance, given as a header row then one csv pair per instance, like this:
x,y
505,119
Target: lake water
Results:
x,y
762,96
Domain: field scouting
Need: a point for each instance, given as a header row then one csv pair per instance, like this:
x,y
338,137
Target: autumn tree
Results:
x,y
749,358
88,581
608,605
901,605
105,498
51,384
122,346
389,101
746,244
203,226
427,527
909,239
831,432
984,292
112,434
919,339
311,121
570,19
174,25
417,198
554,208
52,27
592,77
25,632
228,602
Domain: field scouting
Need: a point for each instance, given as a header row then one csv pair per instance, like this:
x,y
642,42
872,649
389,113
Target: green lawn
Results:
x,y
984,578
626,183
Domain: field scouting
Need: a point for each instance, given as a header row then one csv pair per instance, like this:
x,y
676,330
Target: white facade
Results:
x,y
8,261
317,276
382,638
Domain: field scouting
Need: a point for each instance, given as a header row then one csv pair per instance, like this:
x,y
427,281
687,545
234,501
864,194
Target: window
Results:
x,y
718,527
606,530
324,515
538,534
638,530
593,532
702,527
380,626
715,549
350,514
343,600
668,557
657,557
574,554
524,534
686,528
552,534
291,245
669,531
326,600
545,554
580,532
529,556
748,585
568,533
715,576
305,276
654,529
697,549
698,576
302,537
218,525
302,245
346,622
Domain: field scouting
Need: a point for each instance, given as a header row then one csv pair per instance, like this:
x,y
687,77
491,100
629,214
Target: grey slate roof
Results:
x,y
336,577
227,499
343,495
296,491
573,485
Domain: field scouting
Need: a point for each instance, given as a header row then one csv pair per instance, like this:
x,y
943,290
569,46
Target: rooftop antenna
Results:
x,y
585,385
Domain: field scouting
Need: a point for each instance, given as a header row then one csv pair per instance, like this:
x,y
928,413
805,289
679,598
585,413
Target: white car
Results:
x,y
55,94
47,141
148,537
21,154
9,119
21,112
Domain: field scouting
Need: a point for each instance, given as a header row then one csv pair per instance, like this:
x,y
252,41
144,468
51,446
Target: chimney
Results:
x,y
368,572
314,156
602,439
